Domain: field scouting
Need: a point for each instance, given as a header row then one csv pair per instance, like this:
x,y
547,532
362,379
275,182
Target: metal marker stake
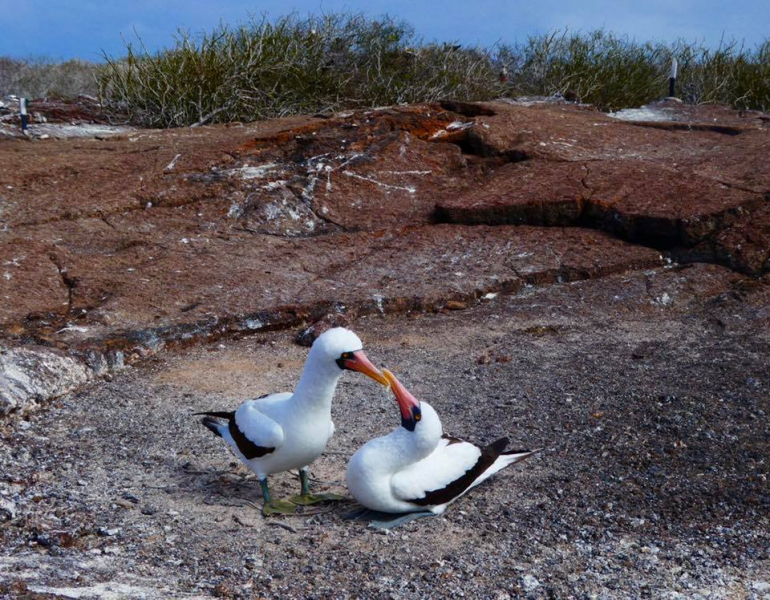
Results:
x,y
672,78
23,109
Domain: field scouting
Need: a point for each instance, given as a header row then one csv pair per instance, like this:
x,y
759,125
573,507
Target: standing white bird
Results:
x,y
418,470
285,431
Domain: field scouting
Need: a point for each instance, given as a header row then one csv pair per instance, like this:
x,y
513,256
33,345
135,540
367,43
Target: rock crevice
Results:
x,y
175,237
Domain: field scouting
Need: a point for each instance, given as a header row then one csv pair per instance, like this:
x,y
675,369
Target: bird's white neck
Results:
x,y
315,389
407,447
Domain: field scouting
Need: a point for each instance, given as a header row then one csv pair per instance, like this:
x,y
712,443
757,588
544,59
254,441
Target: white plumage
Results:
x,y
287,431
416,468
299,431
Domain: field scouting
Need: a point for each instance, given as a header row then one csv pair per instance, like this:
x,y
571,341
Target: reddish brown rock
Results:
x,y
641,201
744,246
575,133
31,283
161,288
654,204
170,237
83,109
740,161
572,254
526,193
58,180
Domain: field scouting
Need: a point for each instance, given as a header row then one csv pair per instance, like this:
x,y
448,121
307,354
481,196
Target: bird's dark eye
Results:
x,y
417,414
341,361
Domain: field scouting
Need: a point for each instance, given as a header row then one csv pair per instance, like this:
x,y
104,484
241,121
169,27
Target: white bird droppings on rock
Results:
x,y
258,172
30,374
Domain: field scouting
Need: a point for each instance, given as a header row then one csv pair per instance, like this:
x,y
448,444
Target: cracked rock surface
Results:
x,y
594,286
113,248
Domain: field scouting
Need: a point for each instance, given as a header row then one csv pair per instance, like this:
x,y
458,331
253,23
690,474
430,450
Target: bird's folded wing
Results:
x,y
427,479
274,397
258,428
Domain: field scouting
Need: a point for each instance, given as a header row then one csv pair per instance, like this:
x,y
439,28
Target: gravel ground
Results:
x,y
649,393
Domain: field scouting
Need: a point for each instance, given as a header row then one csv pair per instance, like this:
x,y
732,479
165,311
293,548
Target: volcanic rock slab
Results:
x,y
116,248
30,375
160,281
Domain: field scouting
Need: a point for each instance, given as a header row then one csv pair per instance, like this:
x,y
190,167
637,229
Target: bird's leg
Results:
x,y
272,507
306,498
265,490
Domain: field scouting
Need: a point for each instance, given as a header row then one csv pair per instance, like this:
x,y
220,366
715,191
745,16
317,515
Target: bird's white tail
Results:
x,y
514,456
505,459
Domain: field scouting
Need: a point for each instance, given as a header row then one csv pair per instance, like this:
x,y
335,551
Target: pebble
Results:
x,y
7,509
529,583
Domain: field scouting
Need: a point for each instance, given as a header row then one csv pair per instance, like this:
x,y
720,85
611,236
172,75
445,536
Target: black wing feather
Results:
x,y
489,455
246,447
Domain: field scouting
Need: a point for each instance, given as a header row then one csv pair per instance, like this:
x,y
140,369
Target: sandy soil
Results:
x,y
648,391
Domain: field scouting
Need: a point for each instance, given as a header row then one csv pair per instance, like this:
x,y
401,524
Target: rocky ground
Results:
x,y
594,286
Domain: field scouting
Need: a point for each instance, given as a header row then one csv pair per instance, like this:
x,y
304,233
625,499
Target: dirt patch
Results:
x,y
647,391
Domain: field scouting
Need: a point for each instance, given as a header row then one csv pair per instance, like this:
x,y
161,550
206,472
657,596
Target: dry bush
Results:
x,y
290,66
45,78
266,69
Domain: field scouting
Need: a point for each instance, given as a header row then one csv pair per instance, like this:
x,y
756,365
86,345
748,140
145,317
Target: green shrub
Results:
x,y
265,69
293,66
614,72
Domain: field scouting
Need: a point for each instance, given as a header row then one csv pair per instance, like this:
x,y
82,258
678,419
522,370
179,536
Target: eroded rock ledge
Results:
x,y
115,248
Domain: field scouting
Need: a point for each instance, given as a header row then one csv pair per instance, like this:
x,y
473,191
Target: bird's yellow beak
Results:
x,y
406,401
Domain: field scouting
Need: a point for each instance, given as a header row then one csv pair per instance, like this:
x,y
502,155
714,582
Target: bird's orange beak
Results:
x,y
359,362
407,403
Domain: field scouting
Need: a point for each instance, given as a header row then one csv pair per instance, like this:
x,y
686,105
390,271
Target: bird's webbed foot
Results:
x,y
274,507
279,507
306,498
309,499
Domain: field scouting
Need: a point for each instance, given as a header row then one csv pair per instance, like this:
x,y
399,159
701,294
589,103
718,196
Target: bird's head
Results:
x,y
342,347
410,407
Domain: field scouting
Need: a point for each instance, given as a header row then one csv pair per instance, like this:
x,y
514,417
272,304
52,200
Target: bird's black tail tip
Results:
x,y
213,425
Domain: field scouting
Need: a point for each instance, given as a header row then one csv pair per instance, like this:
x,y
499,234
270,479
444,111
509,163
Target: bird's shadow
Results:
x,y
382,520
228,487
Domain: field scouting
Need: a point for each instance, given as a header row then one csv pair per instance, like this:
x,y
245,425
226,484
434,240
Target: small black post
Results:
x,y
23,110
672,78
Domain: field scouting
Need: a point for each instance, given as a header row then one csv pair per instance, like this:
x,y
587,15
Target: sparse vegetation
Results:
x,y
41,78
290,65
614,72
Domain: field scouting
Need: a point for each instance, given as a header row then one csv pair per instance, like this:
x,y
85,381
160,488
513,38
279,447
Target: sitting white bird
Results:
x,y
418,470
285,431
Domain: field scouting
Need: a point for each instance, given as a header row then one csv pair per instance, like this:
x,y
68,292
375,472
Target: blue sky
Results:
x,y
82,29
